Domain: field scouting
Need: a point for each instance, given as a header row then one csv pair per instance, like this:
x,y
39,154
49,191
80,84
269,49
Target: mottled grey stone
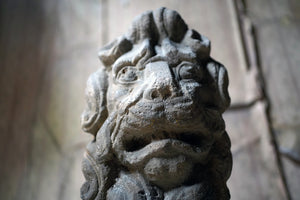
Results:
x,y
155,108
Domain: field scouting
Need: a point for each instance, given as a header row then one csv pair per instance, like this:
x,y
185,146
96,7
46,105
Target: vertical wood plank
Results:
x,y
278,32
48,49
22,65
255,174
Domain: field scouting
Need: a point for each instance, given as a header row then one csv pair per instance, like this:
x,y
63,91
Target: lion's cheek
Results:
x,y
114,97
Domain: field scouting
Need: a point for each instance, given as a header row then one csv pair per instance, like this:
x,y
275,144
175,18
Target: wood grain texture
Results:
x,y
48,49
277,25
22,66
278,34
255,174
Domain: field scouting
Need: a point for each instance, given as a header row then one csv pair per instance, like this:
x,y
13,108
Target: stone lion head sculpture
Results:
x,y
155,108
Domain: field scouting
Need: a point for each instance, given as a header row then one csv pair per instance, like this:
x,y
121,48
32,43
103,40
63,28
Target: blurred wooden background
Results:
x,y
48,49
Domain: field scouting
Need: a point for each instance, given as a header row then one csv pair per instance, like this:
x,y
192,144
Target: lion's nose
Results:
x,y
160,81
158,93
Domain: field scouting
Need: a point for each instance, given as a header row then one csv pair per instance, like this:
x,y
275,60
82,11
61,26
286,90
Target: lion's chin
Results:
x,y
168,173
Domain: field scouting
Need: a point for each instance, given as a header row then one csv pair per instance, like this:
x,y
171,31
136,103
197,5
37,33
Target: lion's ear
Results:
x,y
95,112
220,77
112,51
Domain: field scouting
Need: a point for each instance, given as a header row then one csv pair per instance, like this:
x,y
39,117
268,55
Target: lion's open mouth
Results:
x,y
136,143
137,150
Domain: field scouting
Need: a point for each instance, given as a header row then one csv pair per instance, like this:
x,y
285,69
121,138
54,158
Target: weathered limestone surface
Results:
x,y
214,18
155,109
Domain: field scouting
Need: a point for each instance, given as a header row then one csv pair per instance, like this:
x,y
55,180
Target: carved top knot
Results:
x,y
159,27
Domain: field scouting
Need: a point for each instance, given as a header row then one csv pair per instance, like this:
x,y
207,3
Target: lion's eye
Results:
x,y
127,74
189,72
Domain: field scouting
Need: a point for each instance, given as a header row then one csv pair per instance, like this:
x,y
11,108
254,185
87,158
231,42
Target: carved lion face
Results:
x,y
156,106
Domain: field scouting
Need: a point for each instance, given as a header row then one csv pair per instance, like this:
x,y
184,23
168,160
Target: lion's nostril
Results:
x,y
154,94
158,93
